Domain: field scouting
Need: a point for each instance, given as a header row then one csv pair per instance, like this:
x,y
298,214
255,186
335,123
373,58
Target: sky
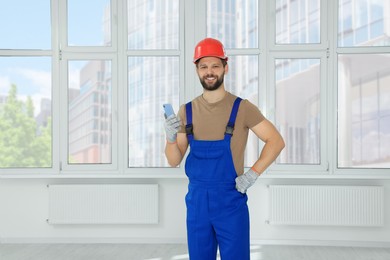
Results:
x,y
25,24
29,26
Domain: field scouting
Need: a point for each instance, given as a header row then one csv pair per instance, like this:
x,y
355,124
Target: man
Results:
x,y
216,128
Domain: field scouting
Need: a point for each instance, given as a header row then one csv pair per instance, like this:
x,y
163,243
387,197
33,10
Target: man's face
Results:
x,y
211,72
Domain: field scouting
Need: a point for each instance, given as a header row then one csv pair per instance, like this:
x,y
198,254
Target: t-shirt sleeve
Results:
x,y
253,115
182,116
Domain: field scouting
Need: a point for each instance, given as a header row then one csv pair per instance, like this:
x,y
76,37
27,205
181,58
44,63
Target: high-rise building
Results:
x,y
89,116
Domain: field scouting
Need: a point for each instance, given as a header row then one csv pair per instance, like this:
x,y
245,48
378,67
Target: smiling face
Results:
x,y
211,72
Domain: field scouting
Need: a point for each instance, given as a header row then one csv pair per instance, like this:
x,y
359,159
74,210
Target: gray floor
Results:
x,y
179,252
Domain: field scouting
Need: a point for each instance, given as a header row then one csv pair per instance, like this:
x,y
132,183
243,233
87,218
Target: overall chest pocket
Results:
x,y
208,153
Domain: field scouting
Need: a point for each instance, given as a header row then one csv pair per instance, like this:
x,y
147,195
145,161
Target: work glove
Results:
x,y
172,126
244,181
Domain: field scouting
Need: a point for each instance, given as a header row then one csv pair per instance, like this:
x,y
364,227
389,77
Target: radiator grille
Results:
x,y
326,205
103,204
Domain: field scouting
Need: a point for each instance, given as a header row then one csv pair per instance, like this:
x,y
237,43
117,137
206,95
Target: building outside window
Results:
x,y
63,96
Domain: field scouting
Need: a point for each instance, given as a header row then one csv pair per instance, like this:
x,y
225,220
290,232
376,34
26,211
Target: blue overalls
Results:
x,y
217,214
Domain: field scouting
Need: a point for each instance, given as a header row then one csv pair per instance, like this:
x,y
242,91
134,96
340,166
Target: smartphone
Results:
x,y
168,109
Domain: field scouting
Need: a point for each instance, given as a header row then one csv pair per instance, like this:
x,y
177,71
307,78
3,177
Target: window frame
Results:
x,y
323,166
68,53
192,28
361,173
36,172
151,172
19,171
65,166
300,51
324,41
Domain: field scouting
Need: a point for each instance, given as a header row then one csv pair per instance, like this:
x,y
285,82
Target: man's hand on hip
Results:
x,y
246,180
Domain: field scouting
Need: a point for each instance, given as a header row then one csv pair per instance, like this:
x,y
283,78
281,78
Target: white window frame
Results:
x,y
65,166
151,172
323,166
363,173
193,15
322,46
36,172
69,53
300,51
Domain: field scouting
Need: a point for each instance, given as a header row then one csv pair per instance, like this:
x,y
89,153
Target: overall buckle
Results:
x,y
229,129
189,129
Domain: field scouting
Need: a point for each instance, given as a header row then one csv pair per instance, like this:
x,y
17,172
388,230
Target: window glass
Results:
x,y
384,97
25,24
153,81
91,17
363,23
153,24
235,23
89,112
363,111
243,81
297,21
297,93
25,112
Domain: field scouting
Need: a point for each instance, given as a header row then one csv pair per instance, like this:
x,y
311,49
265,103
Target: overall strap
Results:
x,y
189,126
232,119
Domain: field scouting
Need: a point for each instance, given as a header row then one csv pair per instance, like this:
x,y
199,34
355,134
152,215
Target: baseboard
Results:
x,y
90,240
94,240
340,243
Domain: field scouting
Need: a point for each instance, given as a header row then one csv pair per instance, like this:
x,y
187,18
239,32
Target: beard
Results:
x,y
212,87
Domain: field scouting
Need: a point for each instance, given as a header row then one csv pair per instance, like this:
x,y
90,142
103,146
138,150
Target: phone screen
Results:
x,y
168,109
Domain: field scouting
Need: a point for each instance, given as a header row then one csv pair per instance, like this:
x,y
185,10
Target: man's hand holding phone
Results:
x,y
172,123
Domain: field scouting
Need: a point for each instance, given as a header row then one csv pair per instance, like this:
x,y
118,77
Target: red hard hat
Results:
x,y
209,47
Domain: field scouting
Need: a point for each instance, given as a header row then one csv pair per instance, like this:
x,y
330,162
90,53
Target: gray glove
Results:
x,y
244,181
172,126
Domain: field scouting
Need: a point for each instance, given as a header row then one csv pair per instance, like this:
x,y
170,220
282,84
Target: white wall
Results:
x,y
24,210
323,235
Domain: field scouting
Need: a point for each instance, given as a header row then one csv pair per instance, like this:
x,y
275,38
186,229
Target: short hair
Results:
x,y
224,62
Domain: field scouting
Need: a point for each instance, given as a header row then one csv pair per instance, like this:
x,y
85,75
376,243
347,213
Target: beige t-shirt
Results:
x,y
210,119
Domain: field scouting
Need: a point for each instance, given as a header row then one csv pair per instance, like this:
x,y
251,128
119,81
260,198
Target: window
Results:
x,y
153,77
92,18
236,25
297,21
25,112
298,114
87,83
363,23
82,85
28,30
297,84
26,136
153,81
364,113
153,25
363,79
87,64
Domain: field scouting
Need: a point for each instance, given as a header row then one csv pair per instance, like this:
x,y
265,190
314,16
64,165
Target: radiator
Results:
x,y
326,205
103,204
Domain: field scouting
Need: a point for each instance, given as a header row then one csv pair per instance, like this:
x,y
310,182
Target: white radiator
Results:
x,y
103,204
326,205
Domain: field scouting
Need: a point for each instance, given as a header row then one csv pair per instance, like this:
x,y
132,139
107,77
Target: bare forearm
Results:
x,y
173,154
270,152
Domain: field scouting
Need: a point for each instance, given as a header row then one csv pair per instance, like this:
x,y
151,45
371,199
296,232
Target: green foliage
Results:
x,y
22,142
